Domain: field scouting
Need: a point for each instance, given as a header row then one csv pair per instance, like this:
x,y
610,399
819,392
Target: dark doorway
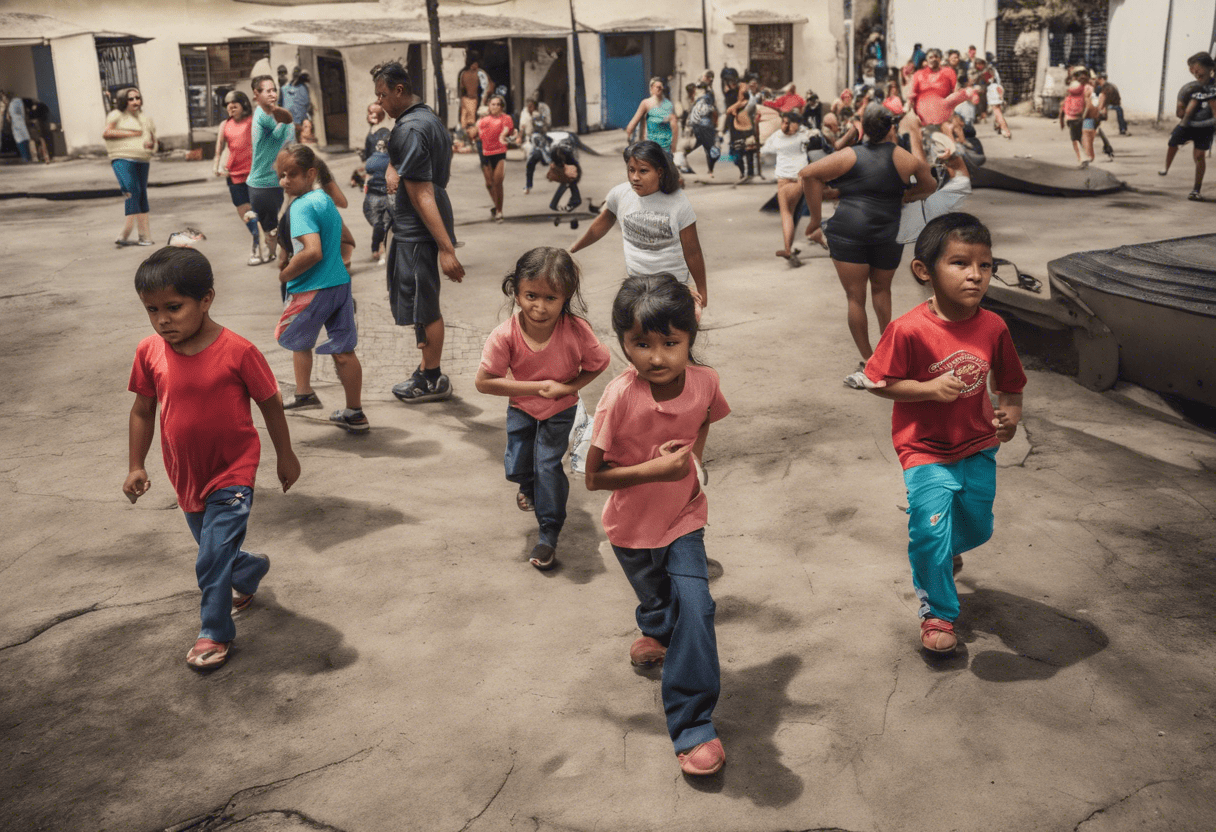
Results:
x,y
495,61
333,100
769,53
544,73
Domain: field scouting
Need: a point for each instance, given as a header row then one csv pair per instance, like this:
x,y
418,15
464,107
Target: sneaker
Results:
x,y
352,420
309,401
416,389
646,652
1195,196
144,241
704,759
255,256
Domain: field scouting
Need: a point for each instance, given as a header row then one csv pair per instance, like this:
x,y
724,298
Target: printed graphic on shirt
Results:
x,y
647,230
968,368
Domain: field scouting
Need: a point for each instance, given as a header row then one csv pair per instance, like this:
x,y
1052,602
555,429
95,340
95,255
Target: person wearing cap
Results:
x,y
873,179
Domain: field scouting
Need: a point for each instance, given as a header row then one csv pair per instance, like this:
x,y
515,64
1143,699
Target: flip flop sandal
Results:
x,y
929,628
1195,196
241,602
207,654
543,557
525,504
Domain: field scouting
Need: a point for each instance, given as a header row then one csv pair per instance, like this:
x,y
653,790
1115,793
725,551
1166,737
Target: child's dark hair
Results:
x,y
652,154
183,270
656,302
1203,59
939,231
256,82
238,97
307,158
557,268
796,118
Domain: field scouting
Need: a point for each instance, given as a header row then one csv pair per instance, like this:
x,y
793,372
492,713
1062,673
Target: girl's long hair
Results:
x,y
557,268
654,155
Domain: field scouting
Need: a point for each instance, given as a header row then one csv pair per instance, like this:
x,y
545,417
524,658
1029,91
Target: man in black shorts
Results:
x,y
1198,122
420,155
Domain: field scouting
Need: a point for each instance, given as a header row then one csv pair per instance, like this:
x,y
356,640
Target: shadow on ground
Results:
x,y
70,757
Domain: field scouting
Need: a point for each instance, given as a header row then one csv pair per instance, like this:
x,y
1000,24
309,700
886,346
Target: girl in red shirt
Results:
x,y
650,431
541,358
235,134
495,130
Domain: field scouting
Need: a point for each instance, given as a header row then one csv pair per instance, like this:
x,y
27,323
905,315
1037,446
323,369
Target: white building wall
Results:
x,y
81,110
816,44
158,64
945,24
1136,48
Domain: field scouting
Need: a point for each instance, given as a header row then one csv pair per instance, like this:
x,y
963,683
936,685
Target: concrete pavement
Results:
x,y
403,666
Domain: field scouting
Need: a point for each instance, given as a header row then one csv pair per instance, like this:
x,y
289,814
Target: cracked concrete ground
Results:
x,y
403,668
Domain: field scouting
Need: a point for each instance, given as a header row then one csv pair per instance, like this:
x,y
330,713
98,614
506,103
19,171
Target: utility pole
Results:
x,y
441,92
580,84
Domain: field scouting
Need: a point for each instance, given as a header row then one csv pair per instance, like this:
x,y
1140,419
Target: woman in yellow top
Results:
x,y
130,139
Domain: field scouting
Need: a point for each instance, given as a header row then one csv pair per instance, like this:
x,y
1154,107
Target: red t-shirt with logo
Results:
x,y
207,436
921,346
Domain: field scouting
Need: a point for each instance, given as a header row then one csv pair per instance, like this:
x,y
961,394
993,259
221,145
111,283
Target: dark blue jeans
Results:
x,y
222,565
133,180
675,607
534,462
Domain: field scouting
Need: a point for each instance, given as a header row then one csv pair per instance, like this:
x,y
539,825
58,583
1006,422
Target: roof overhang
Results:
x,y
23,29
760,18
455,28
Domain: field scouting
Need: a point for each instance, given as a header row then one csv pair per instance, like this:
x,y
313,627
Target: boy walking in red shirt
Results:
x,y
936,363
203,377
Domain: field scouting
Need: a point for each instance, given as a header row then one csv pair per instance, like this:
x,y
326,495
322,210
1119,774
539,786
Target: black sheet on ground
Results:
x,y
799,212
1178,274
1043,178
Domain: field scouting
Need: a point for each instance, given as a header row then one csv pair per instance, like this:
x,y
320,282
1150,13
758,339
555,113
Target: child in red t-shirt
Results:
x,y
203,376
936,363
550,353
650,431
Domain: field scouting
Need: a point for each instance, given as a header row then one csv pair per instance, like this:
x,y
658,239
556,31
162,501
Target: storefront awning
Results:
x,y
454,28
761,17
23,29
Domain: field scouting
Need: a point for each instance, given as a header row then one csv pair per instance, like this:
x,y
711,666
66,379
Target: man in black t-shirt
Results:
x,y
1197,120
424,240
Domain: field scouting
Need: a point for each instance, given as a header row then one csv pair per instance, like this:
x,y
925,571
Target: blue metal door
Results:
x,y
624,82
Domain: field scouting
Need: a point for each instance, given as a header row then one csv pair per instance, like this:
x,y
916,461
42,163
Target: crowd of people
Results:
x,y
646,441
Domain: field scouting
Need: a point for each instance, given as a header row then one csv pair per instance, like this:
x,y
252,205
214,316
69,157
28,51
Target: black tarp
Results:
x,y
1043,178
1177,274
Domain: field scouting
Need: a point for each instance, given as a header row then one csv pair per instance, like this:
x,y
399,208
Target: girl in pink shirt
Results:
x,y
550,353
650,431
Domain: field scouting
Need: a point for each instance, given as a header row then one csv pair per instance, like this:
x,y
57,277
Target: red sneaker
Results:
x,y
706,758
646,652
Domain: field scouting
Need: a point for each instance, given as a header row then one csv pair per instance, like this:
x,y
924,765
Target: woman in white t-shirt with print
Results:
x,y
658,225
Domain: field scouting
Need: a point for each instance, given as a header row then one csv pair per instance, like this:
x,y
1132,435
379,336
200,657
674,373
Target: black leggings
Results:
x,y
707,137
738,149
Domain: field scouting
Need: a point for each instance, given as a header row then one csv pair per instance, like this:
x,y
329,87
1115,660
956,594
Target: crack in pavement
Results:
x,y
217,819
1102,809
493,797
39,629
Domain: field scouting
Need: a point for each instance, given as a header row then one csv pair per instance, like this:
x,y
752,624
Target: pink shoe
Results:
x,y
706,758
646,652
207,654
938,636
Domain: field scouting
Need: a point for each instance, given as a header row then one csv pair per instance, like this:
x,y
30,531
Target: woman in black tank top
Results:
x,y
873,180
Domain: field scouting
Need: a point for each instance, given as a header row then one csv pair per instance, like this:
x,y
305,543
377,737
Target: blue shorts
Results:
x,y
239,192
306,312
1089,124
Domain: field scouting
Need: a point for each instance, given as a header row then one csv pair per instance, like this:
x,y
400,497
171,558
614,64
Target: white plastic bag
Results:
x,y
580,439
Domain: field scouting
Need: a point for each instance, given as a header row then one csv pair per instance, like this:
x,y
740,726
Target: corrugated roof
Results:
x,y
452,28
763,16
